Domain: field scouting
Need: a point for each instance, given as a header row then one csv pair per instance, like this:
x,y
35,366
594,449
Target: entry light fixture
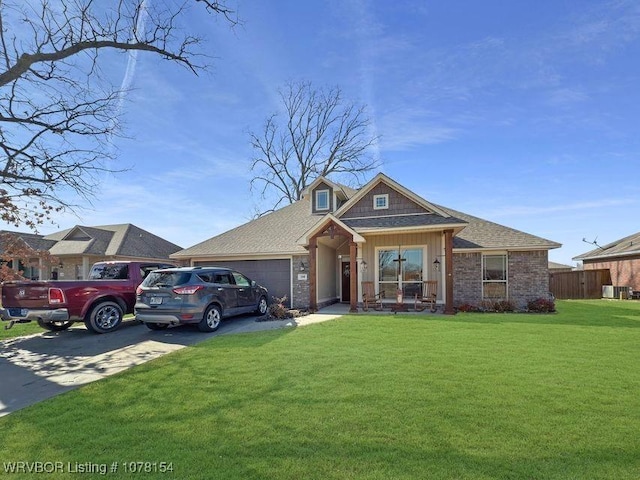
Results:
x,y
302,267
436,264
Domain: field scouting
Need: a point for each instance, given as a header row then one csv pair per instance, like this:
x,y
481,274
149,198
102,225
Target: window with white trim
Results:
x,y
381,202
494,276
322,199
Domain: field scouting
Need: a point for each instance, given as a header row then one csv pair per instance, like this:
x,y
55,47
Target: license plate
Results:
x,y
155,300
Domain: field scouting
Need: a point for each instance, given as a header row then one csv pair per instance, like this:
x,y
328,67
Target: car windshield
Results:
x,y
109,272
166,279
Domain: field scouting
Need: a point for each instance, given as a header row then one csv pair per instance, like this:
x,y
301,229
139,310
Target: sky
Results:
x,y
522,113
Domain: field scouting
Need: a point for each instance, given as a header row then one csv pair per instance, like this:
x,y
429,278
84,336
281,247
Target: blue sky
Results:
x,y
523,113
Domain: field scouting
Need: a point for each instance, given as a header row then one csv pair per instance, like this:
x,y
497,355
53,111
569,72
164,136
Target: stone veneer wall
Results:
x,y
300,287
528,277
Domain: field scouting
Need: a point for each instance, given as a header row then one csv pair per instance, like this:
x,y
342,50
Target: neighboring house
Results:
x,y
621,257
559,267
77,248
30,267
320,249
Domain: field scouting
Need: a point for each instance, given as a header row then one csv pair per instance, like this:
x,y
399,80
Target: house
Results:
x,y
555,267
320,249
621,257
77,248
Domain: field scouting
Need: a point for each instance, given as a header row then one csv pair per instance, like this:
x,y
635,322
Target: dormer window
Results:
x,y
381,202
322,199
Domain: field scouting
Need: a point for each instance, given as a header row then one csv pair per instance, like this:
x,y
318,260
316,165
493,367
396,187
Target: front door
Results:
x,y
345,268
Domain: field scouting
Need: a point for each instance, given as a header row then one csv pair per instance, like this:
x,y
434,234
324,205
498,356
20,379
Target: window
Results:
x,y
494,276
381,202
322,199
400,268
241,280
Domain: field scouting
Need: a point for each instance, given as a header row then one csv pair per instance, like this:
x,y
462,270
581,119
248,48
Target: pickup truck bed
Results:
x,y
99,302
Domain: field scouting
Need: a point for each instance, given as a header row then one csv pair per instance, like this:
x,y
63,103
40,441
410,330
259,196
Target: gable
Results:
x,y
322,188
398,204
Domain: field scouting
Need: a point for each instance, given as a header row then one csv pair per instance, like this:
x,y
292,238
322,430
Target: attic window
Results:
x,y
381,202
322,199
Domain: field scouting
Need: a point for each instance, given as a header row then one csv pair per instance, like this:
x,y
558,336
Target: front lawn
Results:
x,y
19,330
473,396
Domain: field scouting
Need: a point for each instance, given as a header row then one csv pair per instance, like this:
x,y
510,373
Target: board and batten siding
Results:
x,y
433,241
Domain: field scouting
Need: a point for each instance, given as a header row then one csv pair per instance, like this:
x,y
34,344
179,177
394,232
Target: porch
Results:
x,y
396,263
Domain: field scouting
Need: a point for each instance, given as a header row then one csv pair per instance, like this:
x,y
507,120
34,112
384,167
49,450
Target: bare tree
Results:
x,y
320,134
58,112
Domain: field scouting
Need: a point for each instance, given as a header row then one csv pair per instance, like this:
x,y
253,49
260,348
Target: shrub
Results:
x,y
468,308
278,309
502,306
541,305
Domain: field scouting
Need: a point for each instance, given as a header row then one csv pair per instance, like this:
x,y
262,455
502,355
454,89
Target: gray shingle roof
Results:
x,y
482,233
33,240
124,240
274,233
624,247
277,233
429,219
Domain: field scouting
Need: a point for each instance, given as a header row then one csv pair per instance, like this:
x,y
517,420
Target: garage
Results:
x,y
274,275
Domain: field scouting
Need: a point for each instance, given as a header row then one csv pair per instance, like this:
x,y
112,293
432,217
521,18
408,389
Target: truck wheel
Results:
x,y
54,326
104,317
211,319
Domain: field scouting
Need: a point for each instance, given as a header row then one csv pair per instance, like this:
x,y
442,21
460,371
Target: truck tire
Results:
x,y
104,317
54,326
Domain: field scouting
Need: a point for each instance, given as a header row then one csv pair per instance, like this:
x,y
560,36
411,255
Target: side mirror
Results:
x,y
253,283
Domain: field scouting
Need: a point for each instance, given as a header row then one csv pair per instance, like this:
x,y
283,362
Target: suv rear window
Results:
x,y
166,279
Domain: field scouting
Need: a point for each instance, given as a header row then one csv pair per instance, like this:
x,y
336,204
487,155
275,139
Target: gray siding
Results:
x,y
398,204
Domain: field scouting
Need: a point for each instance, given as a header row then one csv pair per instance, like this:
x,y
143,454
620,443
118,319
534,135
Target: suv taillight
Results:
x,y
190,290
56,296
138,291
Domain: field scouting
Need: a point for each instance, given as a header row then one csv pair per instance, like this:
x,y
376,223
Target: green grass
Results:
x,y
19,330
474,396
24,329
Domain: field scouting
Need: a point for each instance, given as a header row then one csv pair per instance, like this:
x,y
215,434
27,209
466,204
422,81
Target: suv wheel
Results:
x,y
211,319
262,306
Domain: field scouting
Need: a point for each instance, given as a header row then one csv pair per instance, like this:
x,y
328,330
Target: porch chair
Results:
x,y
369,296
428,297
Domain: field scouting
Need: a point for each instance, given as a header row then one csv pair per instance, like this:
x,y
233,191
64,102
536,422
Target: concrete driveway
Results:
x,y
40,366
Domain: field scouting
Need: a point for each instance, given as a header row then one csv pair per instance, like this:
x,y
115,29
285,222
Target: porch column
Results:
x,y
313,296
448,260
353,278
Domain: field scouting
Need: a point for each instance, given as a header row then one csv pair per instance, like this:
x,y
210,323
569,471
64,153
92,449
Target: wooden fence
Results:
x,y
579,284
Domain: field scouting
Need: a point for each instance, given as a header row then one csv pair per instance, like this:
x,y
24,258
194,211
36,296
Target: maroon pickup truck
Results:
x,y
100,302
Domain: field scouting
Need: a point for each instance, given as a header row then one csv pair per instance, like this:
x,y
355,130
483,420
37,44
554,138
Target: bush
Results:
x,y
468,308
278,309
502,306
541,305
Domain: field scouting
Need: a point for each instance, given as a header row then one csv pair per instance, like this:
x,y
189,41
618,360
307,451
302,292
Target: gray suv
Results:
x,y
196,295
